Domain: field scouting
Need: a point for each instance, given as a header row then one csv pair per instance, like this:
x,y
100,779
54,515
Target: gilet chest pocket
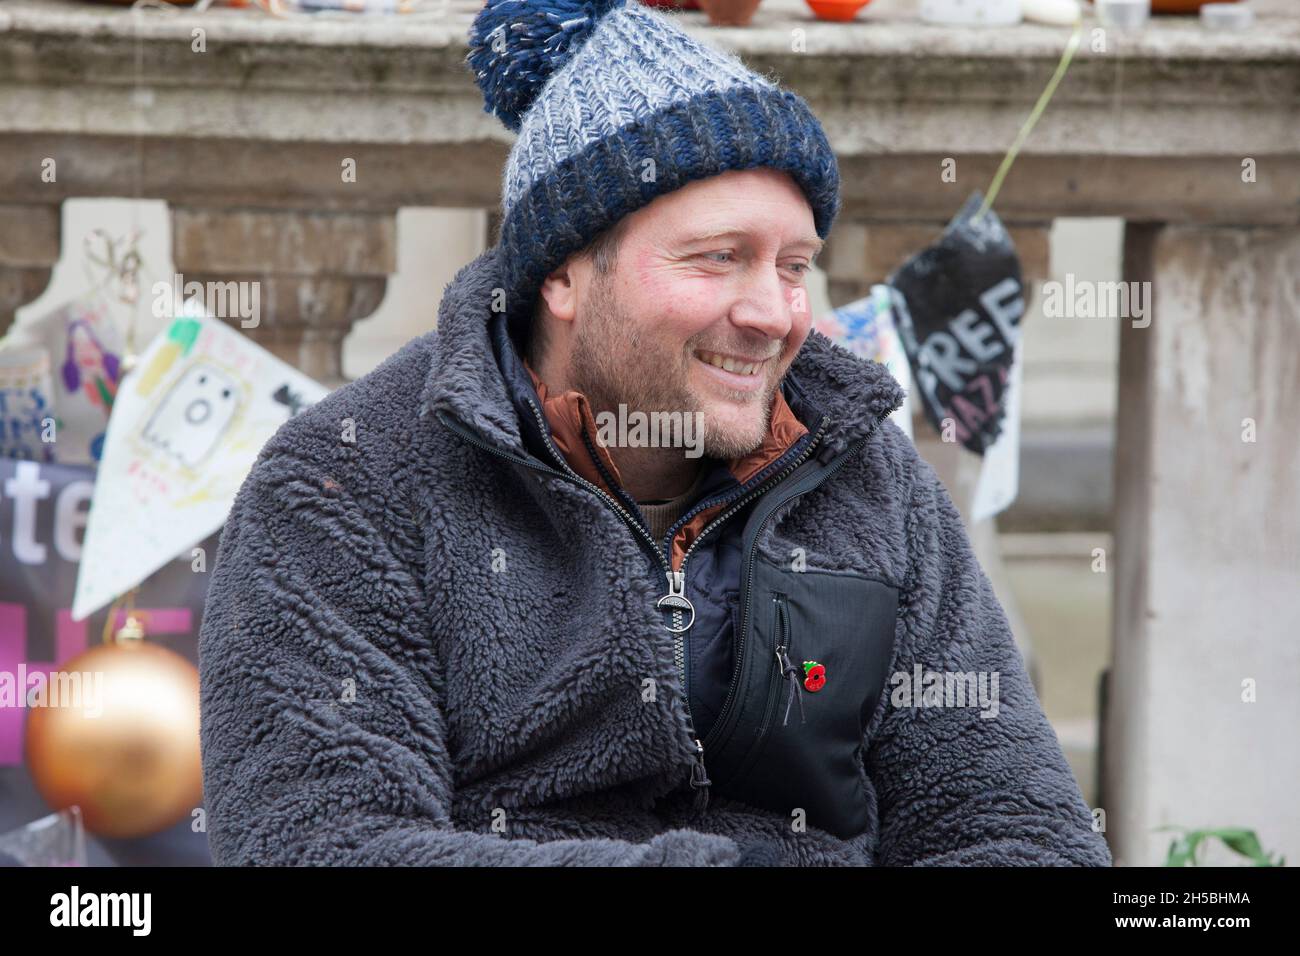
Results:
x,y
814,668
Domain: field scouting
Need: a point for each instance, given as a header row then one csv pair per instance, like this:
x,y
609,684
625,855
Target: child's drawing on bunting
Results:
x,y
187,425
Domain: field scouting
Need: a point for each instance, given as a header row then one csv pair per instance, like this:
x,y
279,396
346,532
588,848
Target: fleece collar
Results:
x,y
466,382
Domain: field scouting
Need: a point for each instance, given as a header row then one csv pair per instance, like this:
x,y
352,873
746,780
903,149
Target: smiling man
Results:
x,y
704,319
452,622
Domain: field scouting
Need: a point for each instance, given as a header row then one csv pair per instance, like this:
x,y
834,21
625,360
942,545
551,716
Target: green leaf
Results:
x,y
1244,842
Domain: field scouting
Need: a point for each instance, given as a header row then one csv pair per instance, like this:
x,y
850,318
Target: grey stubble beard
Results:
x,y
606,366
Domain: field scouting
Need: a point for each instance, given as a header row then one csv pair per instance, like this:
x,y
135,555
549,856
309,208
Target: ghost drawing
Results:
x,y
193,416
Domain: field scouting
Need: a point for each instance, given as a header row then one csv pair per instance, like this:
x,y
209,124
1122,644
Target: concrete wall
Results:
x,y
1206,665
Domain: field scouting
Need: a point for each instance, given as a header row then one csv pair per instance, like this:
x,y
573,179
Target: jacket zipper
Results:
x,y
679,584
782,637
748,574
787,670
676,579
779,672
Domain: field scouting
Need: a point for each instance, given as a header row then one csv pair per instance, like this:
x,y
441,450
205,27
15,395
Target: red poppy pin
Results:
x,y
814,675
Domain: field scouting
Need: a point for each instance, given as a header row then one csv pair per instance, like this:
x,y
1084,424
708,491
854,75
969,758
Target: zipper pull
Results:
x,y
792,673
676,600
700,779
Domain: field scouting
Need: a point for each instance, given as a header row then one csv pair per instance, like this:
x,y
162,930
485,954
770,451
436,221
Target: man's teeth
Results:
x,y
730,365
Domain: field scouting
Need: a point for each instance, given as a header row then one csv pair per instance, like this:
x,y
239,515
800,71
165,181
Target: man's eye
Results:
x,y
802,267
717,254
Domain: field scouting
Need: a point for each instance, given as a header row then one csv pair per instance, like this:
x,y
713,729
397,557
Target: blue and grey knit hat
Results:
x,y
614,105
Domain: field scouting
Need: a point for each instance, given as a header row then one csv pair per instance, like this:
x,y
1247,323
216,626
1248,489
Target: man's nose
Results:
x,y
763,304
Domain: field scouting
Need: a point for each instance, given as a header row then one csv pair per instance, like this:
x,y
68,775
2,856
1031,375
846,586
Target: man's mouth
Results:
x,y
731,363
737,373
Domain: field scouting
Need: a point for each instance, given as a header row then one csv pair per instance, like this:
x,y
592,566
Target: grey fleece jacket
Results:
x,y
415,652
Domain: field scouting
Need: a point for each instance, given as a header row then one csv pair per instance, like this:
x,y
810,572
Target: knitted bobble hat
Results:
x,y
614,105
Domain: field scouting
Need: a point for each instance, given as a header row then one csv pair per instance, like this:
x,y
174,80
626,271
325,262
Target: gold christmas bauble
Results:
x,y
126,748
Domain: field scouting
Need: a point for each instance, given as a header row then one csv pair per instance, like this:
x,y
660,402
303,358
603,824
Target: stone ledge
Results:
x,y
882,29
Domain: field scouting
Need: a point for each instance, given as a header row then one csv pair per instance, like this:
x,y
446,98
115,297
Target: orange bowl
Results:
x,y
843,10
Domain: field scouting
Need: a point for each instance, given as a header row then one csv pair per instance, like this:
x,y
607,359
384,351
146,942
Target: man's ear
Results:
x,y
560,293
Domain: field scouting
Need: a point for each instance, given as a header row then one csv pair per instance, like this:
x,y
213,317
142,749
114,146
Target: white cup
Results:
x,y
1123,14
992,13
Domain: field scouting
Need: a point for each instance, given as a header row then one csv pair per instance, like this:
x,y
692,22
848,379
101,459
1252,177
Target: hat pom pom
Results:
x,y
516,45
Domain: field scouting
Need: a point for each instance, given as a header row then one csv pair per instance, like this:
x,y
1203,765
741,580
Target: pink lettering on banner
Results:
x,y
13,648
147,482
69,640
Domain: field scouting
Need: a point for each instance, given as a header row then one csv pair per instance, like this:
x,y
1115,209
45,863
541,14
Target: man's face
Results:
x,y
705,310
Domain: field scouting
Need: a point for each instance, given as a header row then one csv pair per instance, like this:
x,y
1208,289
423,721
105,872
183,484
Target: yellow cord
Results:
x,y
1026,129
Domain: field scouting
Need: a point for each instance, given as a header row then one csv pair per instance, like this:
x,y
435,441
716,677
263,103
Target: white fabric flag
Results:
x,y
186,426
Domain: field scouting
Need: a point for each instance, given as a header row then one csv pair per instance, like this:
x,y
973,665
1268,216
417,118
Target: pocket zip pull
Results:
x,y
789,671
700,780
